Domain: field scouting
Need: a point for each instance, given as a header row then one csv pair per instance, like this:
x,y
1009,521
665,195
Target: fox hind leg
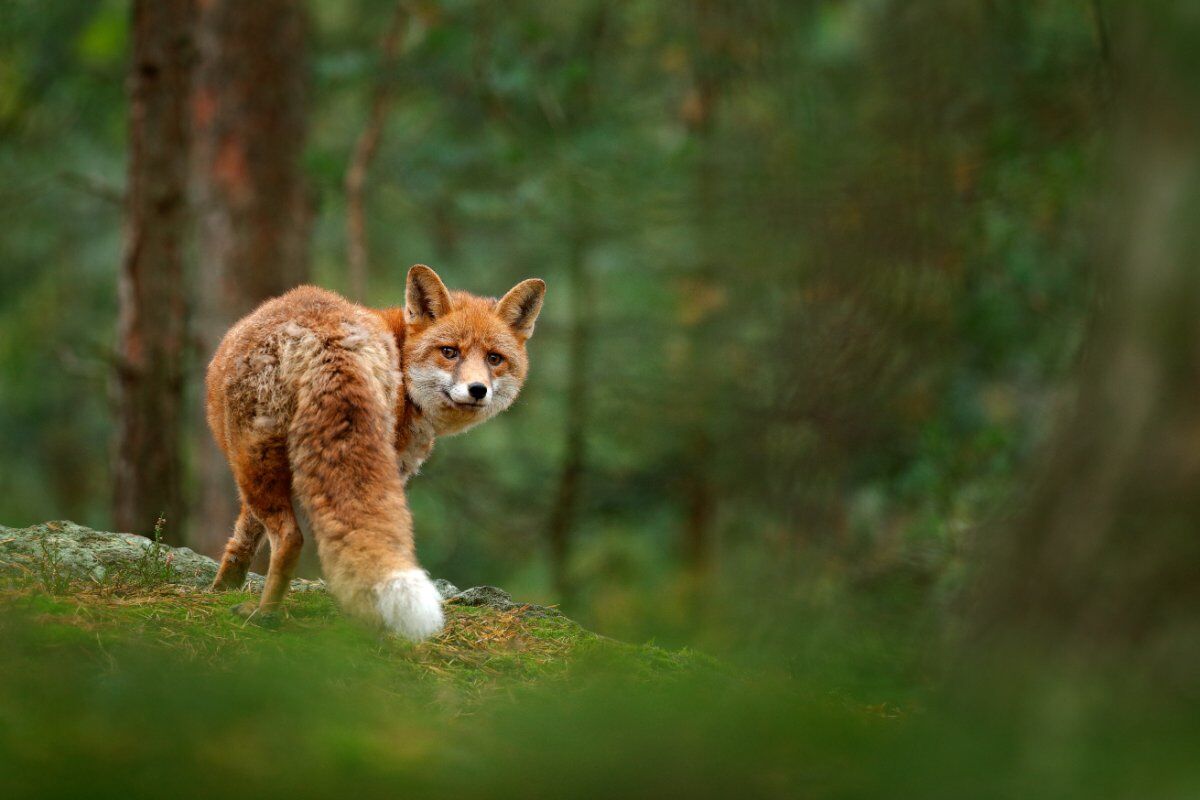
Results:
x,y
286,543
239,551
265,480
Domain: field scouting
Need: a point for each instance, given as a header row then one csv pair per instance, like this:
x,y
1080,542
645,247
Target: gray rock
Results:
x,y
254,583
72,551
445,588
497,598
66,548
491,596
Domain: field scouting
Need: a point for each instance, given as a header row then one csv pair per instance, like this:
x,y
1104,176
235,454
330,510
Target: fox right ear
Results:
x,y
425,296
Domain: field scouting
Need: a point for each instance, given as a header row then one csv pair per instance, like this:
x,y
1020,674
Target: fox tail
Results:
x,y
345,474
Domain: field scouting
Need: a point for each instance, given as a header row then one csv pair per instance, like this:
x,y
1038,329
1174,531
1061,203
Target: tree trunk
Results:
x,y
1107,557
250,111
699,500
579,106
699,112
152,317
562,516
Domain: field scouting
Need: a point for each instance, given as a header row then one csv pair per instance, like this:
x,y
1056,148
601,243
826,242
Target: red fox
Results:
x,y
313,396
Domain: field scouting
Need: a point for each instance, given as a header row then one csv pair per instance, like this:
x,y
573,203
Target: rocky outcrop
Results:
x,y
67,551
496,598
74,551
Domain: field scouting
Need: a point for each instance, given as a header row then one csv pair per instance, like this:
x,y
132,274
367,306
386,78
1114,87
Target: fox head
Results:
x,y
464,356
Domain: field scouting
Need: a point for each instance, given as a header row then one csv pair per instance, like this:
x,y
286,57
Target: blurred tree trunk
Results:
x,y
152,316
578,107
699,501
1107,556
357,250
699,113
579,347
251,118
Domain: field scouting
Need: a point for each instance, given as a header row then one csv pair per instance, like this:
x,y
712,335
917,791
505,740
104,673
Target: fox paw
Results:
x,y
251,612
226,585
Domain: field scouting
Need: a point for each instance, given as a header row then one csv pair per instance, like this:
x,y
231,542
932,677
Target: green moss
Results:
x,y
481,649
166,687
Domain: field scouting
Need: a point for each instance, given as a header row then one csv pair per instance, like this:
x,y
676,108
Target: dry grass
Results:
x,y
493,642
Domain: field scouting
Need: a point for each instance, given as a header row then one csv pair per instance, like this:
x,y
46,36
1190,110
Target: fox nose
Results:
x,y
477,390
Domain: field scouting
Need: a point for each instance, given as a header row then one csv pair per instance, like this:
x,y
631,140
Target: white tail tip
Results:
x,y
410,604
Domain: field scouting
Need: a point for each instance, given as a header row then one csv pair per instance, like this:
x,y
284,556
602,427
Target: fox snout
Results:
x,y
471,392
471,381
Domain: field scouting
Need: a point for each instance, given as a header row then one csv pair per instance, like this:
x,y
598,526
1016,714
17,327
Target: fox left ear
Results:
x,y
520,307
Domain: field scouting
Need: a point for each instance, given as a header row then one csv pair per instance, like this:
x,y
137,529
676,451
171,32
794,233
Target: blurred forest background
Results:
x,y
820,273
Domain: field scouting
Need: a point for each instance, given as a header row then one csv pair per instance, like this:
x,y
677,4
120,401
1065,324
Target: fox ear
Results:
x,y
520,307
425,296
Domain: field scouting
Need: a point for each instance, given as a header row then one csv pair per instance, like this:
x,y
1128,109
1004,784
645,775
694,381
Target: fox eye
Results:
x,y
450,353
495,359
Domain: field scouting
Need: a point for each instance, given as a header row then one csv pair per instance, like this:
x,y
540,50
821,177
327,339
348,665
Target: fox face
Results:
x,y
464,356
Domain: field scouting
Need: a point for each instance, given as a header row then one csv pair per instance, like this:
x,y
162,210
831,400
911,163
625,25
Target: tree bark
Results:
x,y
250,111
152,318
357,250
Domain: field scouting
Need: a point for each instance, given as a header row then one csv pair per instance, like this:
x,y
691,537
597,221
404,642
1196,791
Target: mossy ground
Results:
x,y
480,649
132,688
159,685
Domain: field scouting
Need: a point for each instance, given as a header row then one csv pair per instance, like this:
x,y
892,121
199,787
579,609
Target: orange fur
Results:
x,y
313,396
